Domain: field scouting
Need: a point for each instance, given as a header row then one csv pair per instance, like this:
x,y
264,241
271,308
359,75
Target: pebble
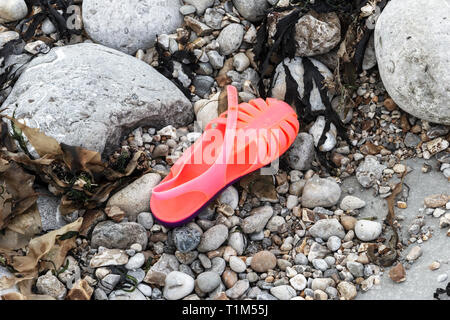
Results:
x,y
283,292
241,62
301,154
325,228
316,131
320,192
334,243
397,273
298,282
348,222
213,238
208,281
239,288
158,272
12,10
367,230
108,257
434,265
187,9
438,212
135,261
436,200
124,295
237,241
230,38
145,219
186,239
414,253
229,278
118,235
350,203
109,282
275,223
251,10
257,220
200,5
178,285
369,171
100,273
263,261
218,265
133,199
145,289
216,59
355,268
49,285
300,259
130,26
48,27
237,265
317,251
99,294
320,264
213,18
317,33
346,290
321,283
138,274
442,277
230,197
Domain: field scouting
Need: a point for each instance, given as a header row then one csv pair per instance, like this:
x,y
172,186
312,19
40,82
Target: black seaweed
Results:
x,y
49,9
166,64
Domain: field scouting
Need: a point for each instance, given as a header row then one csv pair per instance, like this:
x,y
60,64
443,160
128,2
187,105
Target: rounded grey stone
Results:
x,y
186,239
320,192
118,235
334,243
325,228
145,219
178,285
320,264
208,281
230,197
12,10
237,265
251,10
301,154
135,261
213,238
230,38
301,259
367,230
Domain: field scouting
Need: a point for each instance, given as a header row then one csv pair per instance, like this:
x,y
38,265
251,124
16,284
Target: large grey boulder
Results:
x,y
412,43
90,95
130,25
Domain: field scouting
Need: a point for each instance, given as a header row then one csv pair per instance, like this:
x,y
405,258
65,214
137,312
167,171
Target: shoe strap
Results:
x,y
207,181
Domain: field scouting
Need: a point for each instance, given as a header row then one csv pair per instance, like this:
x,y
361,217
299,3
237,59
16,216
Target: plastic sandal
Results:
x,y
241,140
